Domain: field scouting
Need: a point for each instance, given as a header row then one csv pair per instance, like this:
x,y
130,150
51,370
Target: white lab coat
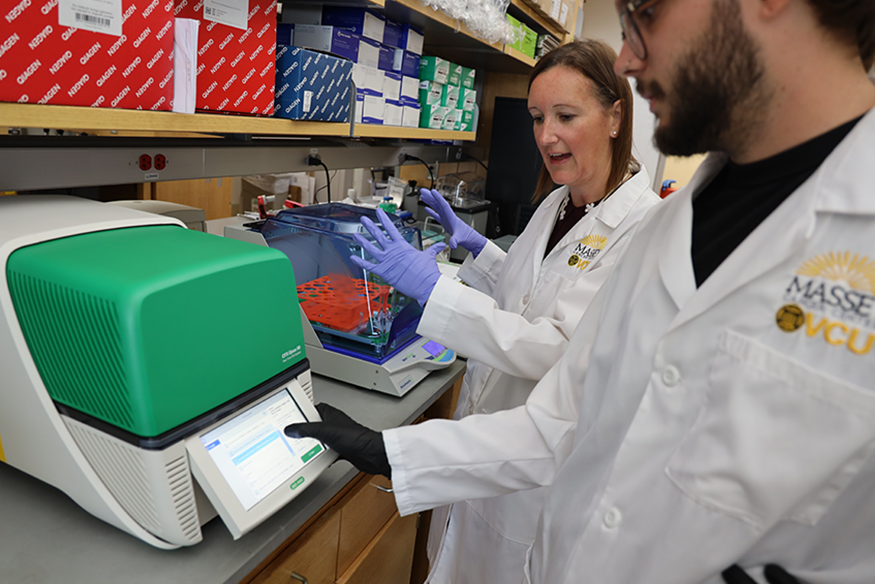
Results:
x,y
513,323
684,430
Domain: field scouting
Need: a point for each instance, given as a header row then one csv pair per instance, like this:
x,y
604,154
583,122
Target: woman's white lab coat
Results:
x,y
686,429
513,323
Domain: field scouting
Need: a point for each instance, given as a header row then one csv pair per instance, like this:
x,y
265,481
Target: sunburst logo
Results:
x,y
855,270
594,241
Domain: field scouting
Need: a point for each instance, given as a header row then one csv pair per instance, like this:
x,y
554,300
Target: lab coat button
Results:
x,y
613,518
526,299
671,376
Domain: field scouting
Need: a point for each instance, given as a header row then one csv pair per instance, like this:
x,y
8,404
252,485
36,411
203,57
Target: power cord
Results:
x,y
409,157
316,160
469,157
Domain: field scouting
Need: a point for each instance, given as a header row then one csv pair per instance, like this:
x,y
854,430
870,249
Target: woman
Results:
x,y
514,318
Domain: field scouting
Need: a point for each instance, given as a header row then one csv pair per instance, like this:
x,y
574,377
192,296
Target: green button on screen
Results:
x,y
313,452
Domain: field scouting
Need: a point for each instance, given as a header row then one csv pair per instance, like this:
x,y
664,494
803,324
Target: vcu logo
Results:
x,y
833,297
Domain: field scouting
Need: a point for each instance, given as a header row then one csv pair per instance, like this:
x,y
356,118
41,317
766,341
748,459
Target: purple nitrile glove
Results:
x,y
412,272
460,232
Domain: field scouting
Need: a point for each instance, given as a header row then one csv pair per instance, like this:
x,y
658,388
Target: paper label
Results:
x,y
554,10
230,12
308,98
95,15
563,14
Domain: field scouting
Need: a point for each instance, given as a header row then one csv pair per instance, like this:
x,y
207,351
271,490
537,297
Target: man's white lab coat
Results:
x,y
688,429
513,323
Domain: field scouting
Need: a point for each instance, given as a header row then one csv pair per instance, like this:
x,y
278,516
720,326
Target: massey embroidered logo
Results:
x,y
586,250
832,296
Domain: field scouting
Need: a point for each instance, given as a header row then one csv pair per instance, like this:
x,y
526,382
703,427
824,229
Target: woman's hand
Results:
x,y
412,272
460,232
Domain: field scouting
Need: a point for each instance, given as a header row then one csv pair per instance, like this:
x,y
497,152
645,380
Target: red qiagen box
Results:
x,y
235,68
44,62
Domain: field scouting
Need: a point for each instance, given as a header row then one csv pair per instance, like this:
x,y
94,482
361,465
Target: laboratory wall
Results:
x,y
600,21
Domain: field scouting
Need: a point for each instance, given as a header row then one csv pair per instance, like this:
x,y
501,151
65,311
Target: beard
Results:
x,y
717,96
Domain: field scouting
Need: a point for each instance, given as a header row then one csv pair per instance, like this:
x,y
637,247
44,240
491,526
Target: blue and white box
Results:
x,y
311,85
331,39
392,33
406,63
410,91
372,109
369,53
392,86
368,80
387,58
410,115
412,39
362,21
393,112
285,33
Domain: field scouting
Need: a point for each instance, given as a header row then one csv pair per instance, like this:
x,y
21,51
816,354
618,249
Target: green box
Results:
x,y
430,93
467,78
432,116
528,42
453,119
450,96
467,99
433,69
454,76
517,25
467,121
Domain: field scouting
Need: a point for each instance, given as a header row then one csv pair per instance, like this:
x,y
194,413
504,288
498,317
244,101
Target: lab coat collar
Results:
x,y
613,210
834,187
842,189
675,263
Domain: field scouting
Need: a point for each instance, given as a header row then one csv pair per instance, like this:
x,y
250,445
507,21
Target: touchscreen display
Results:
x,y
254,455
434,349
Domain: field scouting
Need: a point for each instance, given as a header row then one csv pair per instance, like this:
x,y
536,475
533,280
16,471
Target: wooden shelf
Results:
x,y
522,57
87,119
369,131
534,15
452,40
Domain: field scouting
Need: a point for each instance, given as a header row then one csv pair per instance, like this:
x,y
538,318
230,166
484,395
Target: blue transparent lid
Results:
x,y
334,218
352,310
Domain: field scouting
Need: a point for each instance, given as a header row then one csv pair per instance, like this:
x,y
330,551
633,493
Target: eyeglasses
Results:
x,y
631,34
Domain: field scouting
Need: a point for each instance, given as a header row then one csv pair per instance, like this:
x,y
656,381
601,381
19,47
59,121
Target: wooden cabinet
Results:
x,y
388,557
310,558
362,516
360,538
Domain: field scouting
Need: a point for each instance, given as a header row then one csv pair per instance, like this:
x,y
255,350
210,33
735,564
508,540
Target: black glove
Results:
x,y
361,446
774,574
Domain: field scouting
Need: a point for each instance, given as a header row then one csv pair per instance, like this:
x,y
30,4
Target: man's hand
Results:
x,y
774,574
361,446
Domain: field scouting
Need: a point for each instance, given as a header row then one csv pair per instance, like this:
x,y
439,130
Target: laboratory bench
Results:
x,y
341,526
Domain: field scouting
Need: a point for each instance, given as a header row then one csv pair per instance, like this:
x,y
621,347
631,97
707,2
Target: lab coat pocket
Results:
x,y
776,439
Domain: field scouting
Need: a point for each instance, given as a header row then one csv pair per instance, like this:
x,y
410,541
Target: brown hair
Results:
x,y
850,19
594,60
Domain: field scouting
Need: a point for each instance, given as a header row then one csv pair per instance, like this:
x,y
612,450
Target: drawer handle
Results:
x,y
298,577
380,488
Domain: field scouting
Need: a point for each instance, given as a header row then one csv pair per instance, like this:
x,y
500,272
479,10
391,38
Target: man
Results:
x,y
719,409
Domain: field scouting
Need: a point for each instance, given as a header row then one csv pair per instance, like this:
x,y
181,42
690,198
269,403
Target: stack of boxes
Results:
x,y
121,60
383,57
235,56
446,95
